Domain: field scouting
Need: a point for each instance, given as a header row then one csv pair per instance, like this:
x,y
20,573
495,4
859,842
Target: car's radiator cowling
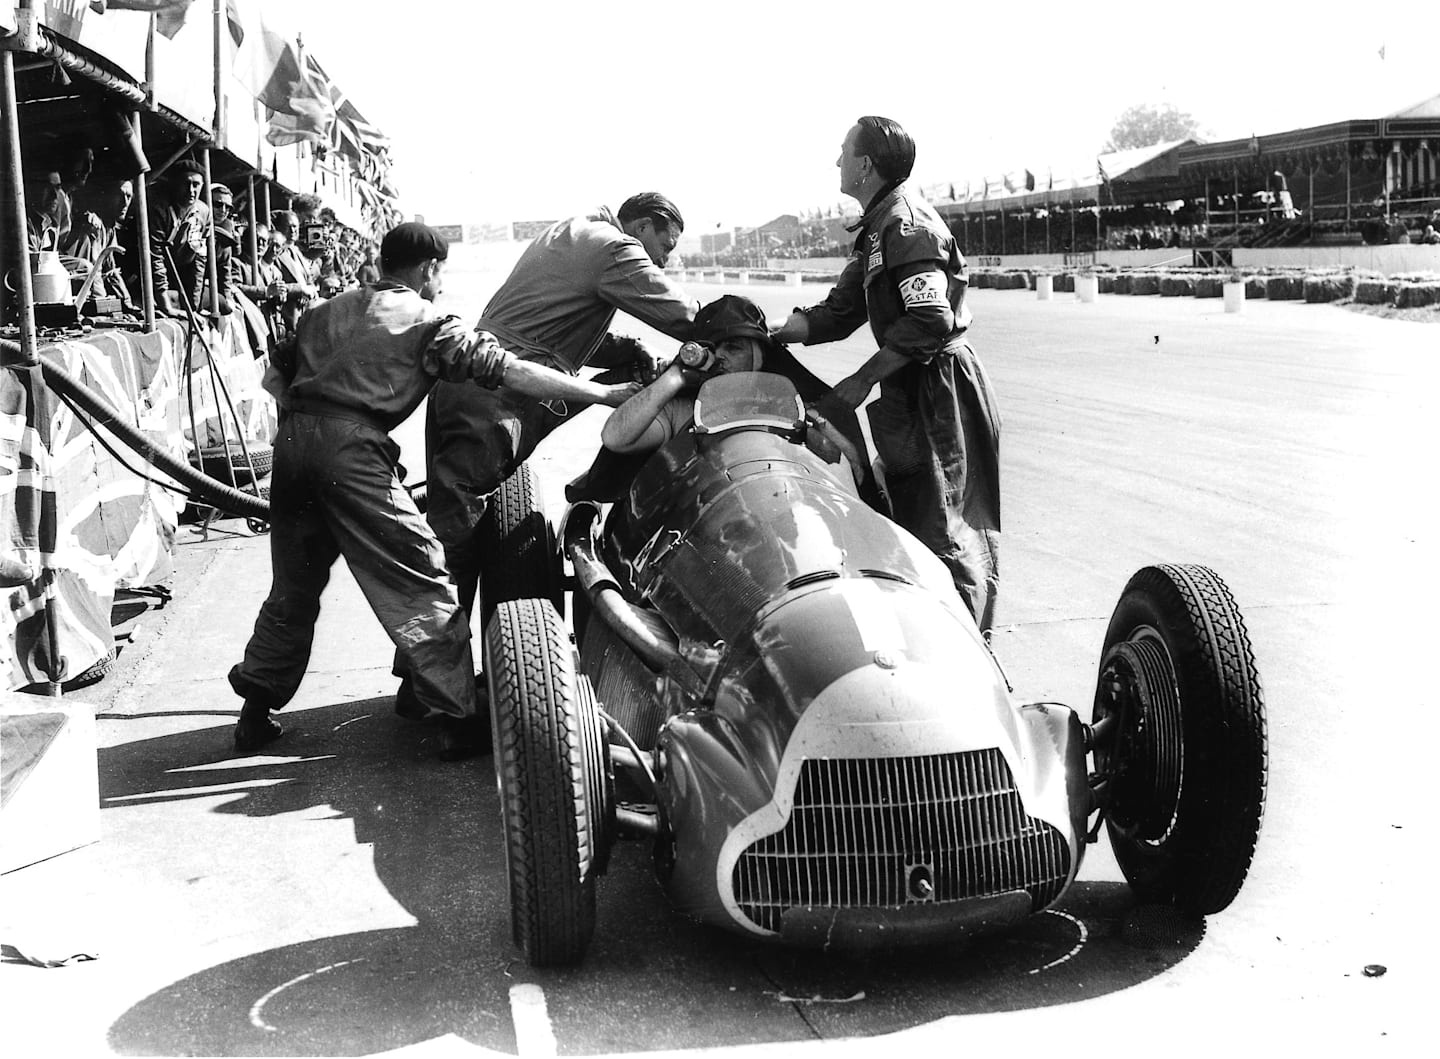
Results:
x,y
896,831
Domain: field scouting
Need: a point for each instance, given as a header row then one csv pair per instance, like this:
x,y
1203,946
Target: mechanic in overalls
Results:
x,y
360,364
936,424
555,309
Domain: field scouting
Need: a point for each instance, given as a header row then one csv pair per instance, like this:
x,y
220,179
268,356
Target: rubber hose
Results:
x,y
206,488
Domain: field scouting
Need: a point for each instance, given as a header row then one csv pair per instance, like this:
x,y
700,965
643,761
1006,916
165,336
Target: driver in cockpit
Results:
x,y
731,330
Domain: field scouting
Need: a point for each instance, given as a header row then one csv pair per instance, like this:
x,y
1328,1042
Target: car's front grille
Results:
x,y
884,832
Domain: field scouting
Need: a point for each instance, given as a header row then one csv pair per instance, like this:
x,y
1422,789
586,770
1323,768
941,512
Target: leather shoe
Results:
x,y
463,737
256,728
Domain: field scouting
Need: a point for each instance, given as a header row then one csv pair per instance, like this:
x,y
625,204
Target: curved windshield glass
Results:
x,y
748,399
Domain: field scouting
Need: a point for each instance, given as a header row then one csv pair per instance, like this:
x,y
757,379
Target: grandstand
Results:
x,y
1348,183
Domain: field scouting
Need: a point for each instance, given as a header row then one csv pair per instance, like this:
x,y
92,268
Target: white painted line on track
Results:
x,y
533,1033
258,1021
1082,935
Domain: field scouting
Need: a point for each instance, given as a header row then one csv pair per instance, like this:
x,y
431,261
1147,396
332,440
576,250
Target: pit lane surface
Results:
x,y
346,894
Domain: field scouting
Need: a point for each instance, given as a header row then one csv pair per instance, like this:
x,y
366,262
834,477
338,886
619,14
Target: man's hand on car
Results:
x,y
796,328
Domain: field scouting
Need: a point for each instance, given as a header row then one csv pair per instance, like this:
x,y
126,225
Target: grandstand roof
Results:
x,y
1426,108
1128,176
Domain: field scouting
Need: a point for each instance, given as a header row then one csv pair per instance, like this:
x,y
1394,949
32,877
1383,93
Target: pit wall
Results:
x,y
1390,259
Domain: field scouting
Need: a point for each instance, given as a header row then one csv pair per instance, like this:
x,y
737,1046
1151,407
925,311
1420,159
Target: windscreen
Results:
x,y
748,399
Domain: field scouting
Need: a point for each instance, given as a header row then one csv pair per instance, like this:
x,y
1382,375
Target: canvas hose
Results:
x,y
216,493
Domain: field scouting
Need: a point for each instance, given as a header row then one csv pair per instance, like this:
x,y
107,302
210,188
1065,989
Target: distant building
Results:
x,y
716,242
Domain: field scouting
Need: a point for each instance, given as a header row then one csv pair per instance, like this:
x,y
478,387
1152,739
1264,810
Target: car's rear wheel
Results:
x,y
1185,751
518,557
552,804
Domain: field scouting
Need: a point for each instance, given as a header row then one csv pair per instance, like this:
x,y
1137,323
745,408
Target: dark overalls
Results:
x,y
364,361
936,423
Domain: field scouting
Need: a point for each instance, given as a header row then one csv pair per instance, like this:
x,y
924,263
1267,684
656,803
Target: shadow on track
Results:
x,y
437,850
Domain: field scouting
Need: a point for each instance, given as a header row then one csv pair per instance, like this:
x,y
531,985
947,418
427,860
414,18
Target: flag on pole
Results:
x,y
1029,180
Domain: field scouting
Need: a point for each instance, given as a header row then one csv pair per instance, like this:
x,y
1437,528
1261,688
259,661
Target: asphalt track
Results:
x,y
346,894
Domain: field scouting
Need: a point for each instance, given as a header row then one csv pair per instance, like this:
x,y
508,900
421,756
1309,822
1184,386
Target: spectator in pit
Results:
x,y
367,273
76,167
42,206
298,275
315,240
347,255
179,238
227,242
261,283
97,230
1431,236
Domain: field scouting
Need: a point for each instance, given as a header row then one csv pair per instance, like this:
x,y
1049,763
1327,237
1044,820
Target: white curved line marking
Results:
x,y
1080,929
533,1033
258,1021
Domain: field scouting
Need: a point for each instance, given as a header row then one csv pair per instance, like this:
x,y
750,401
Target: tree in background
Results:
x,y
1148,123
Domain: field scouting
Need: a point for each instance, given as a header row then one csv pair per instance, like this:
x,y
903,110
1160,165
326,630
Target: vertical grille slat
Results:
x,y
857,824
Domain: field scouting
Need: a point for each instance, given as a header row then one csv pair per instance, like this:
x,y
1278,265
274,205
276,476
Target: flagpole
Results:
x,y
218,24
252,243
212,266
1049,187
142,234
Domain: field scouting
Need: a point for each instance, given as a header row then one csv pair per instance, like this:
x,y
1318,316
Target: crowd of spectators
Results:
x,y
302,254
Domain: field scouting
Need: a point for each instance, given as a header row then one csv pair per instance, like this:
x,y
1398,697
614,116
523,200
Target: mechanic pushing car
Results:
x,y
555,309
360,364
936,423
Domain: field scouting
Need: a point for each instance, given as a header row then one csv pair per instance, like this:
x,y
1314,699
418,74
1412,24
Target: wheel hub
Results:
x,y
1145,758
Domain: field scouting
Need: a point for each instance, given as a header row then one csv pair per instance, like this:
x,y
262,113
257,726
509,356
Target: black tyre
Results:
x,y
214,461
599,774
519,558
1186,758
552,804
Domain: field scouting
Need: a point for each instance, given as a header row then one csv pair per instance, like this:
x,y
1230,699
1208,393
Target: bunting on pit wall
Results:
x,y
76,519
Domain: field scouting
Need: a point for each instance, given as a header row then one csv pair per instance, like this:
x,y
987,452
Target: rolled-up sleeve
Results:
x,y
455,353
843,309
634,284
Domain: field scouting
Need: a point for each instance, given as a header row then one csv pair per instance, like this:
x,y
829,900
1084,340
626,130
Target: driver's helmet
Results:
x,y
732,316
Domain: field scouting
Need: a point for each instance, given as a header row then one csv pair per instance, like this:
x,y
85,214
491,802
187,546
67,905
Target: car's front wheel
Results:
x,y
1184,752
553,805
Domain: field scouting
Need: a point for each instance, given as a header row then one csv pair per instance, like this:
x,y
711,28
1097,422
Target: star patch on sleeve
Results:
x,y
923,288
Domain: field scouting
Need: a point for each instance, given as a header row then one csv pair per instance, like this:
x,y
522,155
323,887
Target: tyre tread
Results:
x,y
535,699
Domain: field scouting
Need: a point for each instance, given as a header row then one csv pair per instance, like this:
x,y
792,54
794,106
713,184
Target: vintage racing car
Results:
x,y
796,707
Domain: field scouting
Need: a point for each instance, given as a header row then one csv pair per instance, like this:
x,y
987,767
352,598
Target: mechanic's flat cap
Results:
x,y
730,316
412,243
